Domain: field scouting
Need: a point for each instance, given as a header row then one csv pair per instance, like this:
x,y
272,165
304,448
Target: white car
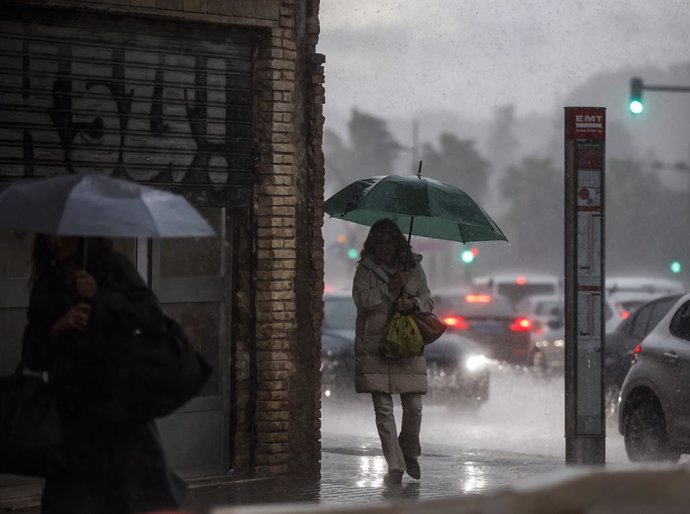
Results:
x,y
548,337
654,405
629,292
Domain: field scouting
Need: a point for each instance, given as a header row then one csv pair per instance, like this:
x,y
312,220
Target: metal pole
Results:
x,y
585,428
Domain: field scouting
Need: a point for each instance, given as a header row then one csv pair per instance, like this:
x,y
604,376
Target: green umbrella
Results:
x,y
419,205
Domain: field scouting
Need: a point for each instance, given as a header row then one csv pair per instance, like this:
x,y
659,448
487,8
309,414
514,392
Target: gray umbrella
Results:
x,y
98,206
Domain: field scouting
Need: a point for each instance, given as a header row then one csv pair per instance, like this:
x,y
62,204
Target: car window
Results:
x,y
639,325
680,324
548,308
339,313
660,309
516,292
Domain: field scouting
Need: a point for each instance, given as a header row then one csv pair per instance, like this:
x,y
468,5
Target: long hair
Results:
x,y
42,256
403,250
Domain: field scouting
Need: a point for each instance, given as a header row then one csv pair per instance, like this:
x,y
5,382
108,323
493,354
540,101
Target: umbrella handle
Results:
x,y
85,252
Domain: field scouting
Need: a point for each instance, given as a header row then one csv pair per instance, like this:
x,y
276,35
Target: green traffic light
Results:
x,y
467,256
352,254
636,107
676,267
636,87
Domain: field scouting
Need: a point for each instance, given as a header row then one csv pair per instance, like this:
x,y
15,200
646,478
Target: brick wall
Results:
x,y
289,209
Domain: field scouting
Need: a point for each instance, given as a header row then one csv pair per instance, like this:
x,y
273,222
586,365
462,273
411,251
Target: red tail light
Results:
x,y
635,352
456,322
521,325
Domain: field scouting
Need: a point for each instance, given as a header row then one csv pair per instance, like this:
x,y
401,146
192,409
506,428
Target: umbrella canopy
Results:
x,y
423,206
98,206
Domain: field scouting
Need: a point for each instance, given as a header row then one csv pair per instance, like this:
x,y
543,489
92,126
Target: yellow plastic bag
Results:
x,y
401,337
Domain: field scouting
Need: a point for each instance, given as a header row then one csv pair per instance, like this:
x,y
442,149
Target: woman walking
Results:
x,y
386,267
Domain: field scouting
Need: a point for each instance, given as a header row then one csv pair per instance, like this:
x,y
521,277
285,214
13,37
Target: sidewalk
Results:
x,y
352,472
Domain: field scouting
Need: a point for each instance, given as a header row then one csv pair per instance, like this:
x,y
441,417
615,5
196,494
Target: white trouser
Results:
x,y
396,448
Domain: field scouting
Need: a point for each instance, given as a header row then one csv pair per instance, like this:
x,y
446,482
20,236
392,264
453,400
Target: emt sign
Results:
x,y
585,138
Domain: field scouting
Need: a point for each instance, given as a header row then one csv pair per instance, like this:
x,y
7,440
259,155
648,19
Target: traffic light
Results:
x,y
469,254
676,267
636,106
353,254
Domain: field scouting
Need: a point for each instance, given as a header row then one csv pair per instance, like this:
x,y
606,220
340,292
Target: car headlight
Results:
x,y
475,363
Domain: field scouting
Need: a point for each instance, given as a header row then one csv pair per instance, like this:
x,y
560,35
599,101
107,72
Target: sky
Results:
x,y
396,57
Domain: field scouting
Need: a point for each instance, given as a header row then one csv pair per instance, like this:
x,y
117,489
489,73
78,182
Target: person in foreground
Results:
x,y
117,465
387,265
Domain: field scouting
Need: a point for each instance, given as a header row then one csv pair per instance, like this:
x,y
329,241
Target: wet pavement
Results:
x,y
353,469
517,438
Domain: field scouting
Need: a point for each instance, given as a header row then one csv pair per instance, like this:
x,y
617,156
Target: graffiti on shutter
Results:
x,y
151,101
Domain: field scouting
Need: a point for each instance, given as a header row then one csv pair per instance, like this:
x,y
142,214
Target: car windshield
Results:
x,y
339,313
516,292
497,306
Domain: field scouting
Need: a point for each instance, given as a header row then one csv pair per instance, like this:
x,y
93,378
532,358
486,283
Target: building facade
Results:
x,y
220,101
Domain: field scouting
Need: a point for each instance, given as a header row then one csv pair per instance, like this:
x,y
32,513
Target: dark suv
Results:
x,y
654,411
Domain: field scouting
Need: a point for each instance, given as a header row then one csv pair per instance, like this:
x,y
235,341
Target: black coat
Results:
x,y
117,468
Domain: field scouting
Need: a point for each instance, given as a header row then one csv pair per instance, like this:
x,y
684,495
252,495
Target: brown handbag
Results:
x,y
429,326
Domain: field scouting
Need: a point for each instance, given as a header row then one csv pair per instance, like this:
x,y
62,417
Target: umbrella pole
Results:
x,y
409,238
85,252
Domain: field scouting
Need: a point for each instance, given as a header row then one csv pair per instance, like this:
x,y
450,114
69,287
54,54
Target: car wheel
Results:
x,y
645,436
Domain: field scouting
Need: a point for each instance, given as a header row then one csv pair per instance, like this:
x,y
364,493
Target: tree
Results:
x,y
457,162
374,148
534,221
645,221
371,150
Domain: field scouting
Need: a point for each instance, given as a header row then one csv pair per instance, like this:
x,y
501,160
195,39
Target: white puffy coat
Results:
x,y
374,373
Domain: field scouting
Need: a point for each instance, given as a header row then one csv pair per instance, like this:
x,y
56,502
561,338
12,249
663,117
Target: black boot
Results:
x,y
413,467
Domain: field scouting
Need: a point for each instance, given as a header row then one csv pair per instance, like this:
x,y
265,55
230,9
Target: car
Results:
x,y
547,352
654,406
629,292
621,342
543,310
459,372
489,320
516,286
